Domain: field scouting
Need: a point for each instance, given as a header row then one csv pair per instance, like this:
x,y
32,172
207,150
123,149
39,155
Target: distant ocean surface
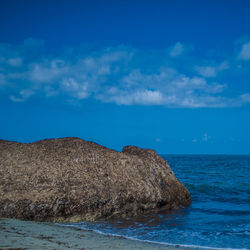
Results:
x,y
219,216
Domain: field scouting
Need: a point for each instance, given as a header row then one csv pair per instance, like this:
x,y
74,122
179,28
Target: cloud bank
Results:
x,y
113,75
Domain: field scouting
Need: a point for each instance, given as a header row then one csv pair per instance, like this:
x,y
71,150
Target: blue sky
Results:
x,y
168,75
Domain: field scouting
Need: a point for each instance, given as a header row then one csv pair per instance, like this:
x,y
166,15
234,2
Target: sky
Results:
x,y
169,75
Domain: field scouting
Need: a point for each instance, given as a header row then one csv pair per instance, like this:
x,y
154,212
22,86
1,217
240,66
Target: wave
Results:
x,y
219,189
179,246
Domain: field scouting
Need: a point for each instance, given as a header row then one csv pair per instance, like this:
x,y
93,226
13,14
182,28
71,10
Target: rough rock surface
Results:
x,y
70,179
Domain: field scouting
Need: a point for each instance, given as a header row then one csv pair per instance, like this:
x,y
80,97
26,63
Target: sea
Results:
x,y
218,218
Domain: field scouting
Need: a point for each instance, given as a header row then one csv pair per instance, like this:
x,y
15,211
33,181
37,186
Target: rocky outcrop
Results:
x,y
70,179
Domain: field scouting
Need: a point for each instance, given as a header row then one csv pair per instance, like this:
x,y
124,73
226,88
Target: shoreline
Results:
x,y
37,235
18,234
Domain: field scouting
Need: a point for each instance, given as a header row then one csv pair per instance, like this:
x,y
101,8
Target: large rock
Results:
x,y
70,179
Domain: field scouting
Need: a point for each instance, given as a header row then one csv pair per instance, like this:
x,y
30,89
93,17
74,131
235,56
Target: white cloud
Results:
x,y
23,95
78,90
206,137
148,97
15,62
141,97
206,71
168,88
47,72
114,74
224,65
245,52
211,71
50,91
177,50
245,98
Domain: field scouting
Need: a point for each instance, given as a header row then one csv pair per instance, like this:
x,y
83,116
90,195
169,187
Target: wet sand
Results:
x,y
35,235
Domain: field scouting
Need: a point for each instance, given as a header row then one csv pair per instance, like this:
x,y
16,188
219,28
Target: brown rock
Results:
x,y
70,179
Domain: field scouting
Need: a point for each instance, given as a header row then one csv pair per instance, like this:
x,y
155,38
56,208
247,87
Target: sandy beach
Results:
x,y
35,235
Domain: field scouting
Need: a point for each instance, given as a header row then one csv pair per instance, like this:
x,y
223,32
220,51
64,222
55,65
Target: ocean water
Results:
x,y
219,216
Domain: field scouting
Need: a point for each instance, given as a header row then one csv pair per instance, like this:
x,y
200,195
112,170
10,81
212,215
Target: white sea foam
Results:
x,y
152,242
